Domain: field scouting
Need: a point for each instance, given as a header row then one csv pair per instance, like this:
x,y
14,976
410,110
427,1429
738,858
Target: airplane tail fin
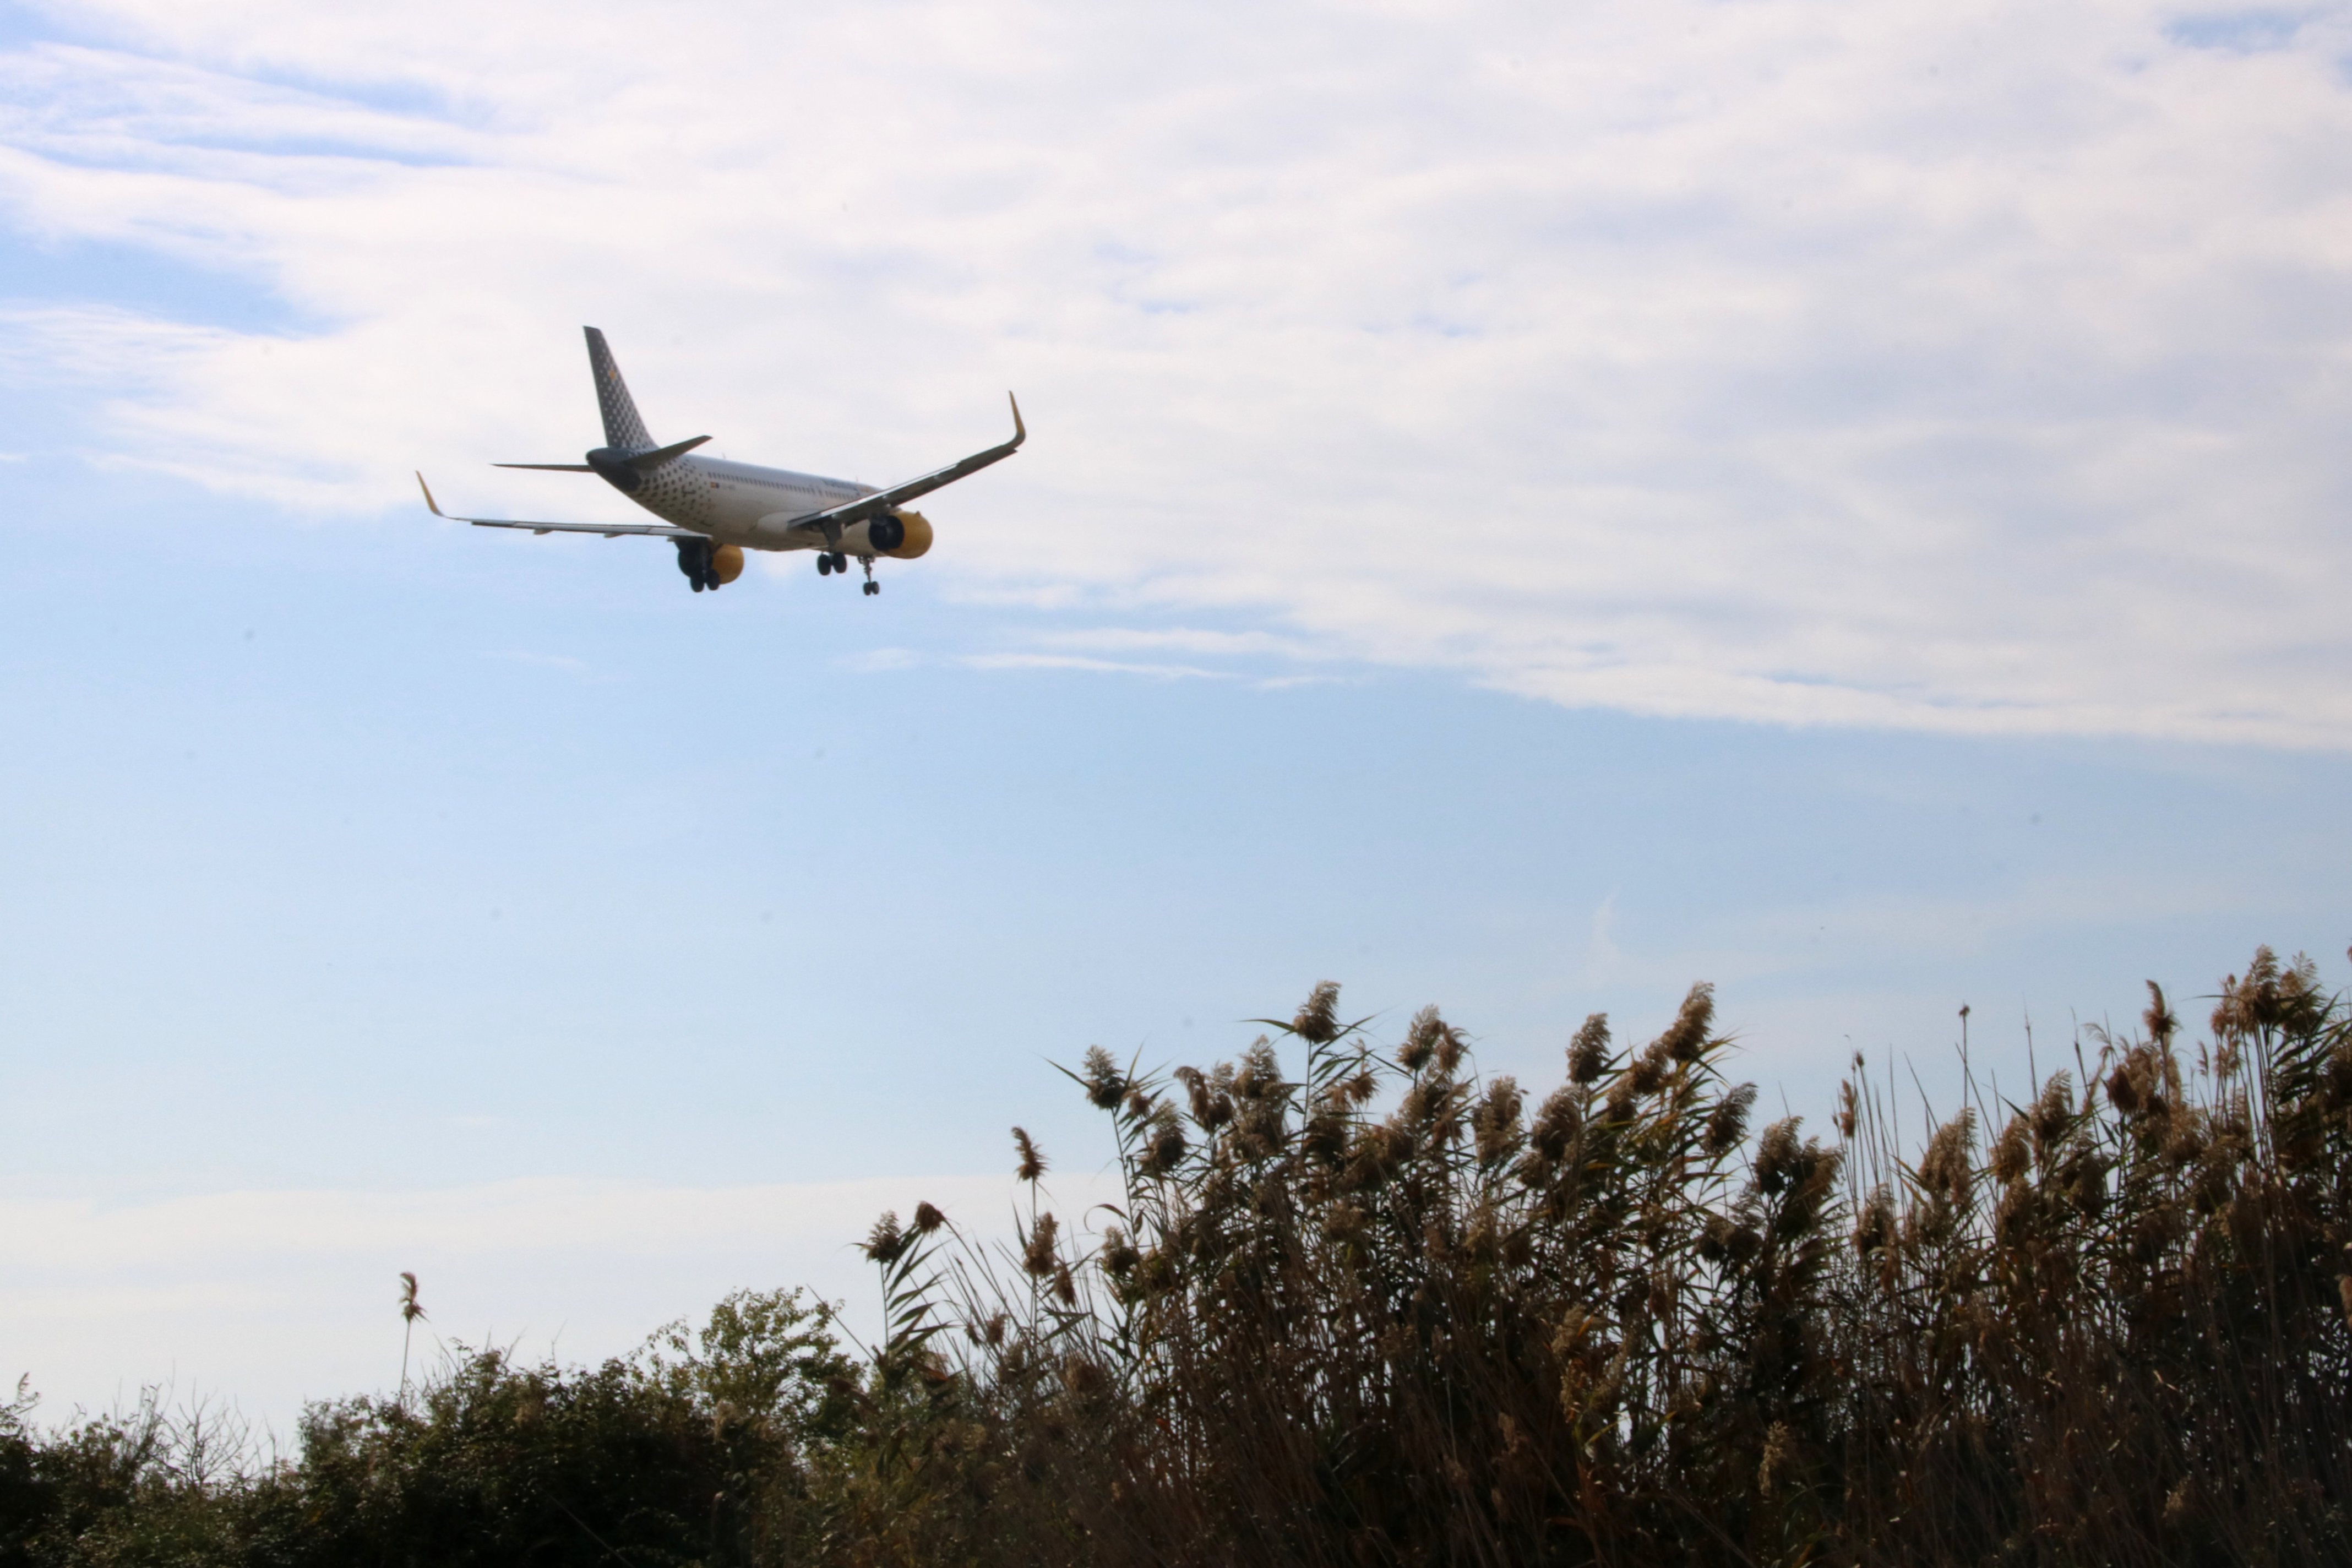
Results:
x,y
624,430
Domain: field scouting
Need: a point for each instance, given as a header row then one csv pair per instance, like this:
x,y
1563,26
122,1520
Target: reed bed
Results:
x,y
1361,1306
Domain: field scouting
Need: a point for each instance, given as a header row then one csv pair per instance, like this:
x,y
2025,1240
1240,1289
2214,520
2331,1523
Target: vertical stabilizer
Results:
x,y
623,431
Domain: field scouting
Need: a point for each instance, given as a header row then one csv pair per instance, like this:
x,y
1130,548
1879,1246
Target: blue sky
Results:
x,y
1590,572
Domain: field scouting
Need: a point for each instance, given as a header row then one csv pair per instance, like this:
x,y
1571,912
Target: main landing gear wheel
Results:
x,y
694,560
840,562
824,565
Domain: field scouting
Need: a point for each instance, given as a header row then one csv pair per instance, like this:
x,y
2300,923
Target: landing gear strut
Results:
x,y
870,586
694,560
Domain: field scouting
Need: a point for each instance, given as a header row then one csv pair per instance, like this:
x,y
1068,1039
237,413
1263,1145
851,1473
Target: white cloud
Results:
x,y
1978,368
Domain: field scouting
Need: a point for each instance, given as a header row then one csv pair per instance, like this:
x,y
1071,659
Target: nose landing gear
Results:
x,y
829,561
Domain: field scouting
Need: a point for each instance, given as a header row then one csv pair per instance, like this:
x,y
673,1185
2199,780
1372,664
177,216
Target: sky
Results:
x,y
1528,506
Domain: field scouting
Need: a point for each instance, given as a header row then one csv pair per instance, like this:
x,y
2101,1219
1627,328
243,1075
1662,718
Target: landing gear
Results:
x,y
824,565
694,560
871,588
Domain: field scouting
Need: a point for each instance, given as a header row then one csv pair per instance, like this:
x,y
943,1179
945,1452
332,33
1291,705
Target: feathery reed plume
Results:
x,y
1318,1022
1038,1255
886,1241
1588,1053
1420,1042
411,1309
1032,1162
1104,1083
1686,1036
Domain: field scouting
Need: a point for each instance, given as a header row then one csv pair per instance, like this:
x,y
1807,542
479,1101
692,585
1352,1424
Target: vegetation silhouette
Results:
x,y
1357,1305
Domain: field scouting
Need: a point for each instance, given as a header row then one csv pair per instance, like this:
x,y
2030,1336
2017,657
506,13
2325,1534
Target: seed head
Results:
x,y
1776,1155
1038,1256
1686,1037
1777,1447
2161,1023
1318,1022
886,1242
1118,1254
2053,1114
1164,1145
1421,1040
2013,1151
1588,1053
1875,1227
1556,1123
1728,1123
1946,1167
1496,1121
1261,1072
1104,1082
1032,1162
1648,1071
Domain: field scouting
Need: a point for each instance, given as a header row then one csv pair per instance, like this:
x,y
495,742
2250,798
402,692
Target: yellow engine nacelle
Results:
x,y
911,530
727,563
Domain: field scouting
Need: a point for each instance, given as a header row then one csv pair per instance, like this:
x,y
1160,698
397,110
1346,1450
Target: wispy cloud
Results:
x,y
564,663
880,660
1081,662
1972,370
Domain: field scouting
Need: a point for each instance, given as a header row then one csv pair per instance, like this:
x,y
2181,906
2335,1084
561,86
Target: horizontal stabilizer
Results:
x,y
645,462
550,467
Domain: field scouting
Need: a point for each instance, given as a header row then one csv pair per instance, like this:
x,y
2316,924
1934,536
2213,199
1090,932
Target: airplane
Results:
x,y
714,510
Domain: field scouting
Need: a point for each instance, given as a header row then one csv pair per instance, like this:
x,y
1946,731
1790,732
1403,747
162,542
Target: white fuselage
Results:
x,y
745,504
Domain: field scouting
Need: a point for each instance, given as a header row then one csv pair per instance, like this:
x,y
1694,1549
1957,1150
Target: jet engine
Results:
x,y
901,534
727,563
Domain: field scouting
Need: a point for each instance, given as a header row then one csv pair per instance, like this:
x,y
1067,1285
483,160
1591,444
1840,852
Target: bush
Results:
x,y
695,1450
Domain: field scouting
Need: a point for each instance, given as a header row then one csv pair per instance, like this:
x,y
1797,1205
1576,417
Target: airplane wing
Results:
x,y
609,530
882,501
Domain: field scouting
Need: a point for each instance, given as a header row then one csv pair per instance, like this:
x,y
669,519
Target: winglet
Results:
x,y
428,496
1020,431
